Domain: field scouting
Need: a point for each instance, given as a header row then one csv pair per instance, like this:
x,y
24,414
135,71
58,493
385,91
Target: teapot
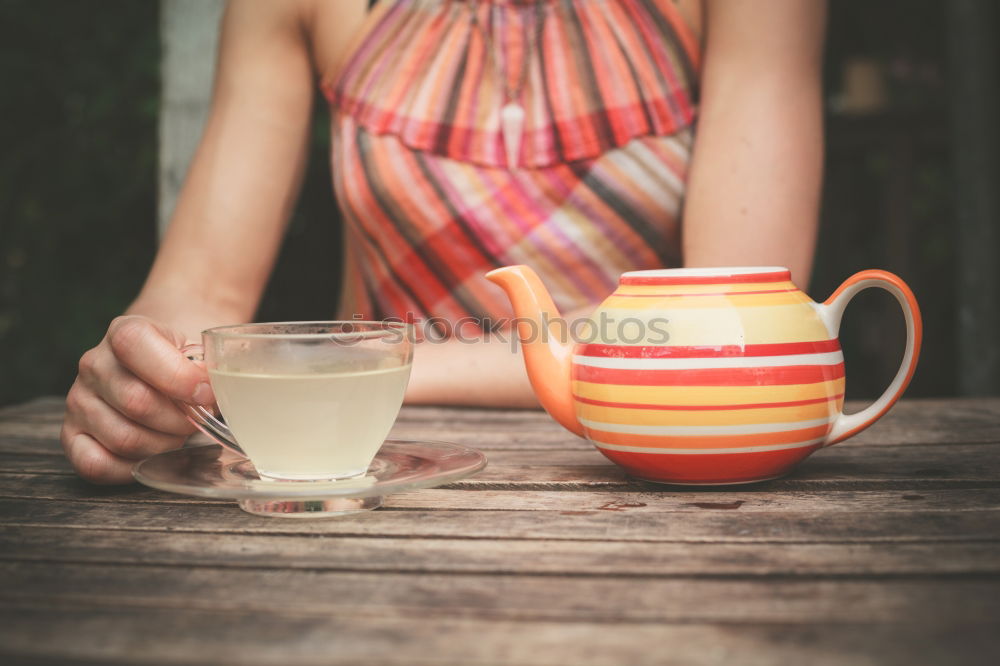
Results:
x,y
702,376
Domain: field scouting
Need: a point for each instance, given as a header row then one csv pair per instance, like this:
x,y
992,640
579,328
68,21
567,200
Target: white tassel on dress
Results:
x,y
512,126
512,113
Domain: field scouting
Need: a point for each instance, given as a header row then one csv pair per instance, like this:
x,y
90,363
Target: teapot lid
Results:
x,y
707,275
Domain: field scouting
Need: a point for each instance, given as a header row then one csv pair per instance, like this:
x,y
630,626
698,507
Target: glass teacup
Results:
x,y
304,400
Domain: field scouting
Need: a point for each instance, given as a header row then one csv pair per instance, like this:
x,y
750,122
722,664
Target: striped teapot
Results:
x,y
702,376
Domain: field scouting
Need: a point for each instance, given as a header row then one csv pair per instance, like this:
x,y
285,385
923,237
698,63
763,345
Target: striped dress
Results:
x,y
429,200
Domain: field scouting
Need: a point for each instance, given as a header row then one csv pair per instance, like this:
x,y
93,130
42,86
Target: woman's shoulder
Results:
x,y
332,29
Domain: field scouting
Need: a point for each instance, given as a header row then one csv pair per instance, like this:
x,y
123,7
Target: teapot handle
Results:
x,y
832,310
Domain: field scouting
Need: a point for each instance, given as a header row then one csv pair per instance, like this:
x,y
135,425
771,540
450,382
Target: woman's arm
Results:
x,y
225,232
217,253
484,373
754,187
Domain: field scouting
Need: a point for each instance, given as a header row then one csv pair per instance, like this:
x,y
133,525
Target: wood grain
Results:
x,y
646,499
969,421
194,636
718,526
885,549
388,594
615,556
930,466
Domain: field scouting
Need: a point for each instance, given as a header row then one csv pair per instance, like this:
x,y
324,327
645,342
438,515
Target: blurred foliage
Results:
x,y
78,189
77,179
888,191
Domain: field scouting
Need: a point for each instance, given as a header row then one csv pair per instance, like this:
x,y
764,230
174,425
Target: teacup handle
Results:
x,y
832,310
203,419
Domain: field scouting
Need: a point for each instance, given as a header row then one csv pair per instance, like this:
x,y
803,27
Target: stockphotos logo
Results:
x,y
470,330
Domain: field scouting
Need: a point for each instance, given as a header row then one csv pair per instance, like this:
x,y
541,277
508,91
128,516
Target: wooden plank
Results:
x,y
158,636
566,598
68,487
958,460
41,433
49,487
912,467
29,445
614,556
35,463
684,501
841,466
618,520
912,422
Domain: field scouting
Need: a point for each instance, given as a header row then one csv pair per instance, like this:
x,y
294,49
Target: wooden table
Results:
x,y
882,550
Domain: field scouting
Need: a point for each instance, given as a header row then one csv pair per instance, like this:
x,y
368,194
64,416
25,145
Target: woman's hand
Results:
x,y
120,408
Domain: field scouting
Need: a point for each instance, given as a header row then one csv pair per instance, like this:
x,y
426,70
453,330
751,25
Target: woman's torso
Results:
x,y
422,156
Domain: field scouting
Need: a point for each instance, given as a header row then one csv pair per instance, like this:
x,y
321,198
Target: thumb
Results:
x,y
150,350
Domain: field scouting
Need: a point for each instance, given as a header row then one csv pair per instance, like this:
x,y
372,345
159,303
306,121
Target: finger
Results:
x,y
123,437
92,461
134,398
145,351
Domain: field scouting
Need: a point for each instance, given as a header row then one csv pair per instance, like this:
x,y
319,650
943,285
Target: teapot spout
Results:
x,y
544,336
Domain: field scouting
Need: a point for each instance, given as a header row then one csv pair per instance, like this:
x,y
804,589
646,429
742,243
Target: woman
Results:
x,y
468,135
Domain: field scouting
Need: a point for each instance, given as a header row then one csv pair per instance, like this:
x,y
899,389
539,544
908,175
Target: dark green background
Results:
x,y
78,105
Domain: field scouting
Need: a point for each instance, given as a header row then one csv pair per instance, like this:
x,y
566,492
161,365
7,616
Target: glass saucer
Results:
x,y
213,471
